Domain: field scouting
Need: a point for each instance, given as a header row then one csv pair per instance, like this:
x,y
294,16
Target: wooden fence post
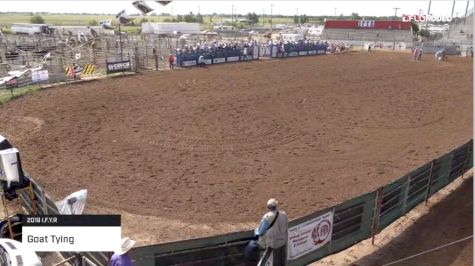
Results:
x,y
429,182
377,211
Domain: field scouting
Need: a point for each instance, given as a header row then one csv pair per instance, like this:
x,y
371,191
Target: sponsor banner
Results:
x,y
219,60
189,63
39,75
293,54
208,61
303,53
255,52
119,66
12,83
86,69
366,23
321,51
233,59
309,236
312,52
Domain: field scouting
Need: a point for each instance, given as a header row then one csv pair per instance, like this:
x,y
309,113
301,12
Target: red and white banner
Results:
x,y
309,236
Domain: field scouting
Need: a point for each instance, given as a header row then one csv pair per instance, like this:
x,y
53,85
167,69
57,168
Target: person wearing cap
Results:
x,y
272,232
121,256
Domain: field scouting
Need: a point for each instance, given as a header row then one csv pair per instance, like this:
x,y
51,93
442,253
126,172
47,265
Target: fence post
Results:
x,y
136,59
377,210
465,161
429,182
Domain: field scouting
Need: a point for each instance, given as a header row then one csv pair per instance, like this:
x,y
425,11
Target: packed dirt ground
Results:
x,y
201,150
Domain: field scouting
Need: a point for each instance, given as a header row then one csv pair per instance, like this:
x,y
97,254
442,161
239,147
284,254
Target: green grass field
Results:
x,y
6,19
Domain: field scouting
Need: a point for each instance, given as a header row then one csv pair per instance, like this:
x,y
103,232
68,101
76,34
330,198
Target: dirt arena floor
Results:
x,y
209,146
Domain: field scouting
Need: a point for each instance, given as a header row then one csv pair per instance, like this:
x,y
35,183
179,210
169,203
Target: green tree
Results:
x,y
355,16
179,18
253,17
37,19
93,22
199,18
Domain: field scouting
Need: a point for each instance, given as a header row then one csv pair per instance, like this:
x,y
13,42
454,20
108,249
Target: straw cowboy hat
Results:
x,y
272,203
125,245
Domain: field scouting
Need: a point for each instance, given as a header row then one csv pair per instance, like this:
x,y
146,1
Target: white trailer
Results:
x,y
30,29
170,28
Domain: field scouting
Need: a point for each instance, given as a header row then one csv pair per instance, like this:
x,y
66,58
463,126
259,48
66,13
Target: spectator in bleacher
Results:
x,y
171,60
121,257
272,232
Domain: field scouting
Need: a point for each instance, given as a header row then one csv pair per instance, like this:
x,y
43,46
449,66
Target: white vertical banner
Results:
x,y
309,236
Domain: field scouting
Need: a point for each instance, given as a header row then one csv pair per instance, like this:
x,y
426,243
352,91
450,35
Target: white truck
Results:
x,y
13,253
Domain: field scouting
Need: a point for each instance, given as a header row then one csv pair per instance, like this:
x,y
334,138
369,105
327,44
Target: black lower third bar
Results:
x,y
71,220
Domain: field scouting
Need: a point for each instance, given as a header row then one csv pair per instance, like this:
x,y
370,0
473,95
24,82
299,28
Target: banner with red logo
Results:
x,y
309,236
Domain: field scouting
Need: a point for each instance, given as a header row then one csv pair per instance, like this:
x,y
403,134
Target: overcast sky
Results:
x,y
364,8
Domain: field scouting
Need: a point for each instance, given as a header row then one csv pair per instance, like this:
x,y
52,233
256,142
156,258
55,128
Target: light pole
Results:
x,y
263,17
271,7
466,9
395,11
232,16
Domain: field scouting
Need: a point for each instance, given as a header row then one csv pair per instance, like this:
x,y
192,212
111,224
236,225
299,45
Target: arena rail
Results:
x,y
353,221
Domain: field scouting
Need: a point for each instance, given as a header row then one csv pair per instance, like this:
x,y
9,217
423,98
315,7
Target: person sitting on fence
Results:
x,y
201,61
171,60
272,232
121,256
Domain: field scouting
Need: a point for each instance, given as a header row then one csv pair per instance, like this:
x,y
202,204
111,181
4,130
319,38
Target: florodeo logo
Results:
x,y
321,232
426,18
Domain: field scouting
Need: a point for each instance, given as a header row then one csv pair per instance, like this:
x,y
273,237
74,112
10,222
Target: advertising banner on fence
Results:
x,y
189,63
39,75
309,236
219,60
233,59
119,66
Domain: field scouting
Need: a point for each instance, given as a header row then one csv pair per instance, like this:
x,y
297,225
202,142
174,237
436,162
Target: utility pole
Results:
x,y
263,17
453,7
199,9
428,11
335,10
271,7
297,14
395,11
232,16
466,10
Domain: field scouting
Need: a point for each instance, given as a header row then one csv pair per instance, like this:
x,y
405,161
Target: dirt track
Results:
x,y
212,145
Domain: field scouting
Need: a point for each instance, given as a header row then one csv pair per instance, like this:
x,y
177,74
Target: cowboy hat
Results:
x,y
125,245
272,203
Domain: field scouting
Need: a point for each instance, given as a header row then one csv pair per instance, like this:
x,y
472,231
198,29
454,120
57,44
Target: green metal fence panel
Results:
x,y
418,184
440,179
394,198
346,234
227,246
